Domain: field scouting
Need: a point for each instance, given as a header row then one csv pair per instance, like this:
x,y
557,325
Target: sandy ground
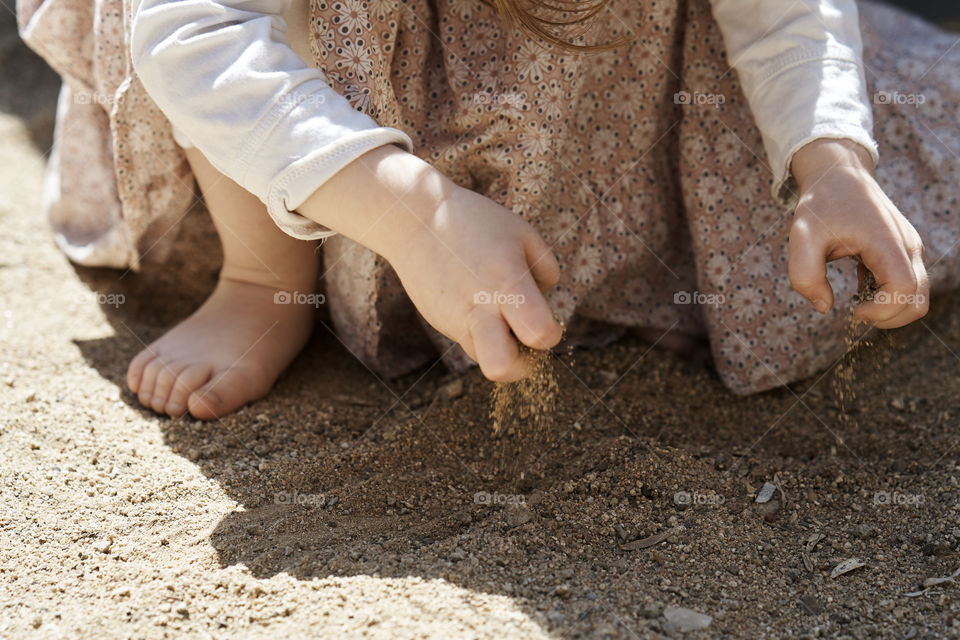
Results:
x,y
347,506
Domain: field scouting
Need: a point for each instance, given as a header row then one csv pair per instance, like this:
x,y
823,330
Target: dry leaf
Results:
x,y
650,541
847,566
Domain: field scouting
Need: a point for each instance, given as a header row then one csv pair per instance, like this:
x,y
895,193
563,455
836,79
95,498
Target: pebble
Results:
x,y
683,619
865,531
766,492
768,510
451,390
517,514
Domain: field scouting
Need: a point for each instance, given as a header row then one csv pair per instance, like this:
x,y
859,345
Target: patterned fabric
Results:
x,y
641,166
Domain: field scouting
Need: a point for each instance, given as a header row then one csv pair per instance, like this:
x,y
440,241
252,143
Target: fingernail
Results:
x,y
821,305
174,407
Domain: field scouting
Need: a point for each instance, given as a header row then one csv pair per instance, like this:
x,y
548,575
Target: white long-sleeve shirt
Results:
x,y
226,76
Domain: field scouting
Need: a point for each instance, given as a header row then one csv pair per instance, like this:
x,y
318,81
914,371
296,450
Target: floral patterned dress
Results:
x,y
659,208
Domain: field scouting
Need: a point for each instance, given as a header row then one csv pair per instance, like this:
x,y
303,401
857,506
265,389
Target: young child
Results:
x,y
695,180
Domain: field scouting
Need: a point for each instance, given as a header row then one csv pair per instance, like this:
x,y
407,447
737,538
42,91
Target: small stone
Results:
x,y
517,514
450,391
865,531
768,510
562,591
766,492
37,622
103,545
651,610
683,619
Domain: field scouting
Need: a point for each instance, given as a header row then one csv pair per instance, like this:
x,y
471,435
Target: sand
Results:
x,y
347,506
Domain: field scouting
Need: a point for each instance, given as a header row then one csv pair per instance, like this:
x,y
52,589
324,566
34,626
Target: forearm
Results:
x,y
378,198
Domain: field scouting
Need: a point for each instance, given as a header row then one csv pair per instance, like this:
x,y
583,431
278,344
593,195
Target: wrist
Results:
x,y
378,198
815,159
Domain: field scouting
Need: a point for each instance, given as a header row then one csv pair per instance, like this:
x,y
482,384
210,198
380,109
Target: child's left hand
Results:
x,y
844,212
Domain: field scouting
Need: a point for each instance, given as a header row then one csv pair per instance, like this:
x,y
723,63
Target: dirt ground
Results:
x,y
347,506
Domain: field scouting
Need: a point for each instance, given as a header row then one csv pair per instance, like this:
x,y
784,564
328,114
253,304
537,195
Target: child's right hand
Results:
x,y
475,270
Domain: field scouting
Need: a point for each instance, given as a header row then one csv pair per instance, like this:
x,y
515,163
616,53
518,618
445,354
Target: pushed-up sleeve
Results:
x,y
226,77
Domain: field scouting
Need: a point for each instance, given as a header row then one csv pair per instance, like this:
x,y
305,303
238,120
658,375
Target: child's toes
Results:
x,y
188,380
148,380
166,377
226,392
136,368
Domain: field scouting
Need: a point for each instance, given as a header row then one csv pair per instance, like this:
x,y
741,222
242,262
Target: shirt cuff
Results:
x,y
298,147
833,104
298,181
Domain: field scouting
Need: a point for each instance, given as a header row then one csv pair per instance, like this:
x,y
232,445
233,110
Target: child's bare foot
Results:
x,y
233,348
225,355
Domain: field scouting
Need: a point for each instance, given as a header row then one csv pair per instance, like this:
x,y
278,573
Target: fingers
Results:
x,y
530,317
904,288
543,264
807,266
495,348
895,257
